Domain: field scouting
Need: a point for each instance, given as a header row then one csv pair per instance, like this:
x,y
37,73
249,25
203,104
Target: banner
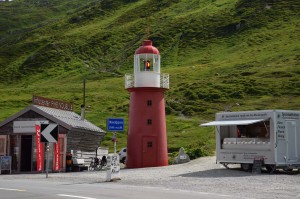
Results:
x,y
56,162
39,149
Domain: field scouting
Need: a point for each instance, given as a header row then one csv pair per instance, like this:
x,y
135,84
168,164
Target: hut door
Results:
x,y
2,144
149,151
26,152
291,133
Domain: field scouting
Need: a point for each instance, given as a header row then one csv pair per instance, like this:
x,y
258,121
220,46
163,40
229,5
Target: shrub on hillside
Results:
x,y
198,149
188,111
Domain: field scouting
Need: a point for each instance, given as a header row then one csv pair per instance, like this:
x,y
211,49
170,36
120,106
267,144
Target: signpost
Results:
x,y
115,124
257,164
27,126
52,103
5,163
49,134
113,160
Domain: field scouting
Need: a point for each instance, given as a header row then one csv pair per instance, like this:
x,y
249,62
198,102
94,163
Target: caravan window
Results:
x,y
257,133
256,130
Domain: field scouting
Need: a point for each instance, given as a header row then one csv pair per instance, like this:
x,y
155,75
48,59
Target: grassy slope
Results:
x,y
212,63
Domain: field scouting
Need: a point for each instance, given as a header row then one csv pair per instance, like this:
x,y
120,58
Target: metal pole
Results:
x,y
115,144
84,93
83,105
47,159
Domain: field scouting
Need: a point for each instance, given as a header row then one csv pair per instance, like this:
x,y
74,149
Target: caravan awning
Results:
x,y
232,122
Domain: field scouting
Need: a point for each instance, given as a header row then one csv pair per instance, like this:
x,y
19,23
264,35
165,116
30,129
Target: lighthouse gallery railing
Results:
x,y
164,80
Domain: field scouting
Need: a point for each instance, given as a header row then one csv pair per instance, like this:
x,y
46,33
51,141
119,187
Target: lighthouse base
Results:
x,y
147,137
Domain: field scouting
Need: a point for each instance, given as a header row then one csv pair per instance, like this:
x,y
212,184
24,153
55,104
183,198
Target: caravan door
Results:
x,y
291,133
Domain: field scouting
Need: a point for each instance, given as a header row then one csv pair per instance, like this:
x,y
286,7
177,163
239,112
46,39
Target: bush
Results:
x,y
190,95
188,111
198,149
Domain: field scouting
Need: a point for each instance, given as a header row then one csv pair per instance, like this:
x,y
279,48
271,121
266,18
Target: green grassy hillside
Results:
x,y
234,54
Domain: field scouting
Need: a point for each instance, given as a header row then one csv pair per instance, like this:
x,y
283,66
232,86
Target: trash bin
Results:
x,y
69,162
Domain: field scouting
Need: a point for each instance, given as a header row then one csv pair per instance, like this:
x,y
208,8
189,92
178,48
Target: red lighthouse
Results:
x,y
147,134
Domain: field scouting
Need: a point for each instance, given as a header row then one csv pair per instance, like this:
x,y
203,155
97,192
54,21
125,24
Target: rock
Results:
x,y
182,157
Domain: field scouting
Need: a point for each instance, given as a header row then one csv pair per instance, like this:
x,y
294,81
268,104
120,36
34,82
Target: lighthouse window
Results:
x,y
147,65
149,144
149,102
149,122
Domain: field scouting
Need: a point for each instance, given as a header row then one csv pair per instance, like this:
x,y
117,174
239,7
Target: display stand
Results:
x,y
257,164
5,163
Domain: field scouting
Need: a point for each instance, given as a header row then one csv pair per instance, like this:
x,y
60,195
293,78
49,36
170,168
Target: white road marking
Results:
x,y
8,189
188,191
72,196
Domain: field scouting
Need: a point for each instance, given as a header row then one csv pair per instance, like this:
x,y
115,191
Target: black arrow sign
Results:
x,y
49,133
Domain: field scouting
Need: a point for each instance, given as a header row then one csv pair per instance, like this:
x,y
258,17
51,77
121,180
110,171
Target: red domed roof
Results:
x,y
147,48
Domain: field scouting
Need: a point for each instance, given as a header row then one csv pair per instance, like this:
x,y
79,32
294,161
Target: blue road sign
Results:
x,y
115,124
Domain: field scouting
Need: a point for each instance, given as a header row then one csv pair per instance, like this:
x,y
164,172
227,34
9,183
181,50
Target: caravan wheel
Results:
x,y
246,166
271,168
286,169
225,165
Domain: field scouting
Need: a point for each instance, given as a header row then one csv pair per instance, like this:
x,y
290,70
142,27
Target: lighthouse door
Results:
x,y
149,151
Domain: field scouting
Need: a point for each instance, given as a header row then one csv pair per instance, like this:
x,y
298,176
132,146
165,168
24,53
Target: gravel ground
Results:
x,y
200,175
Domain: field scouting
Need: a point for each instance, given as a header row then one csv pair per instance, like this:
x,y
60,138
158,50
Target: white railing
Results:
x,y
164,81
129,81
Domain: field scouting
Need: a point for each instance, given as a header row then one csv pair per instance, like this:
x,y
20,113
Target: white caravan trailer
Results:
x,y
272,136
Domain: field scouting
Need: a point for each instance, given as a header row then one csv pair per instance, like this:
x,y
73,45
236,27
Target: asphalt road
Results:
x,y
200,178
33,189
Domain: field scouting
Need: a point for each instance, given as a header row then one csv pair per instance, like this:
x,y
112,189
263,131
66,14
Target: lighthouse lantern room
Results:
x,y
147,136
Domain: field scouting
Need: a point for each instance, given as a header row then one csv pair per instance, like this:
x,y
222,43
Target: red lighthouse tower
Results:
x,y
147,134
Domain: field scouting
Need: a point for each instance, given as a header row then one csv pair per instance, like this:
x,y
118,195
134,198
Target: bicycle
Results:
x,y
97,165
94,165
103,162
